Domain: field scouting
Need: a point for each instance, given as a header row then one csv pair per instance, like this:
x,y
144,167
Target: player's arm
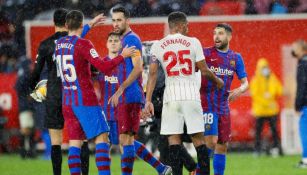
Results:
x,y
39,65
98,20
240,71
88,51
301,88
205,71
151,84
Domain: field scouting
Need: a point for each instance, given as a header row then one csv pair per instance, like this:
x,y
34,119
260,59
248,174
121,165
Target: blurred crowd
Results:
x,y
14,12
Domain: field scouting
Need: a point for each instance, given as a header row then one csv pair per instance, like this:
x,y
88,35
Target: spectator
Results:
x,y
277,7
25,106
222,8
7,59
250,7
265,89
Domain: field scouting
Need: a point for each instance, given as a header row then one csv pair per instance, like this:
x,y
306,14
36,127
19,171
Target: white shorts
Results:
x,y
176,113
26,119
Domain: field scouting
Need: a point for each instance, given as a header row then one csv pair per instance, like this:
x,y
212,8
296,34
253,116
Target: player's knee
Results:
x,y
174,140
198,139
102,138
221,148
126,139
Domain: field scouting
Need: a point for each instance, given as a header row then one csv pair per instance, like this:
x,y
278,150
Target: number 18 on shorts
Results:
x,y
211,123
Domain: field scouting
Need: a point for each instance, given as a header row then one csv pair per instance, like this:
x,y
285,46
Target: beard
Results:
x,y
223,45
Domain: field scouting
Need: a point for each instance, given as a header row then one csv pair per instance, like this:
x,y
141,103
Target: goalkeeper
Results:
x,y
54,120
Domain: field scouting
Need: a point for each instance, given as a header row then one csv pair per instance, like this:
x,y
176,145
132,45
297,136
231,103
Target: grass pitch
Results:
x,y
237,164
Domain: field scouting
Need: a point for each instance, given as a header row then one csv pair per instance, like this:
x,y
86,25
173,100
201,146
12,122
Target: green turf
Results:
x,y
237,164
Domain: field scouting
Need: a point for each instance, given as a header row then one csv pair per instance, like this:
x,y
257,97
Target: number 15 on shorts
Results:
x,y
211,123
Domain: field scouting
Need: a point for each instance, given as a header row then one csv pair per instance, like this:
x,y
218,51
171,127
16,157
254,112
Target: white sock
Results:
x,y
304,160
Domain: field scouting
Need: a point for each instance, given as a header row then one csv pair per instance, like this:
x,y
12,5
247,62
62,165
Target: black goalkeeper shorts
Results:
x,y
54,117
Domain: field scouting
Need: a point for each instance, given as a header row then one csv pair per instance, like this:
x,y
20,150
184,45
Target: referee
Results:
x,y
54,120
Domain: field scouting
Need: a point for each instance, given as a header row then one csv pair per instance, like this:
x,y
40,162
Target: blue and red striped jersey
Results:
x,y
73,57
133,93
223,65
108,86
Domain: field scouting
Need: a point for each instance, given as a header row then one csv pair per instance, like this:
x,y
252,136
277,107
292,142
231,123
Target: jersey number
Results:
x,y
208,117
66,70
182,61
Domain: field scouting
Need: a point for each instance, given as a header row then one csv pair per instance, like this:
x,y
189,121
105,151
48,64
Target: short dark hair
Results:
x,y
74,19
226,26
121,9
113,34
175,18
59,17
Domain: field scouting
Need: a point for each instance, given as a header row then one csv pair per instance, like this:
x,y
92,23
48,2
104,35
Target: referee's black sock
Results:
x,y
85,158
56,158
175,160
203,159
187,160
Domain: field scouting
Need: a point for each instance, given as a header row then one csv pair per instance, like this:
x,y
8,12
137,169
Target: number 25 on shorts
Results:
x,y
211,123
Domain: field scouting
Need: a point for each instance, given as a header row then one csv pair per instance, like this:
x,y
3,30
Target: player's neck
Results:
x,y
60,29
74,32
127,31
224,50
112,55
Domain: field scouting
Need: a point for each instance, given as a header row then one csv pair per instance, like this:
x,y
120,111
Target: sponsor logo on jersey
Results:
x,y
112,79
70,87
221,71
93,53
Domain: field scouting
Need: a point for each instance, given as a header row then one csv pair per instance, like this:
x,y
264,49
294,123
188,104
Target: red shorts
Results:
x,y
129,118
224,129
84,122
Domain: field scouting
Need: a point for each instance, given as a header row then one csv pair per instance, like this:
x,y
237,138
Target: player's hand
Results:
x,y
219,83
98,20
128,51
114,99
37,96
149,109
234,94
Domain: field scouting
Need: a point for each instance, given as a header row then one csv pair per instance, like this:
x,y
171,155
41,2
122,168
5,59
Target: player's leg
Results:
x,y
74,161
172,123
276,149
129,122
193,117
27,133
76,136
56,151
95,126
55,123
259,125
143,153
303,135
85,158
211,131
219,157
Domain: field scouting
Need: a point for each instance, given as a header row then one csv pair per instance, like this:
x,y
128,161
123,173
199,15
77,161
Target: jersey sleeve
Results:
x,y
153,55
134,41
86,29
199,53
89,53
240,68
42,54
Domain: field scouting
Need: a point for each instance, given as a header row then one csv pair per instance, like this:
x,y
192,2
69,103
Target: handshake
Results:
x,y
40,92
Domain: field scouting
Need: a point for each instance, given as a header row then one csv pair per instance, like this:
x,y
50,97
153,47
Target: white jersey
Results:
x,y
178,54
